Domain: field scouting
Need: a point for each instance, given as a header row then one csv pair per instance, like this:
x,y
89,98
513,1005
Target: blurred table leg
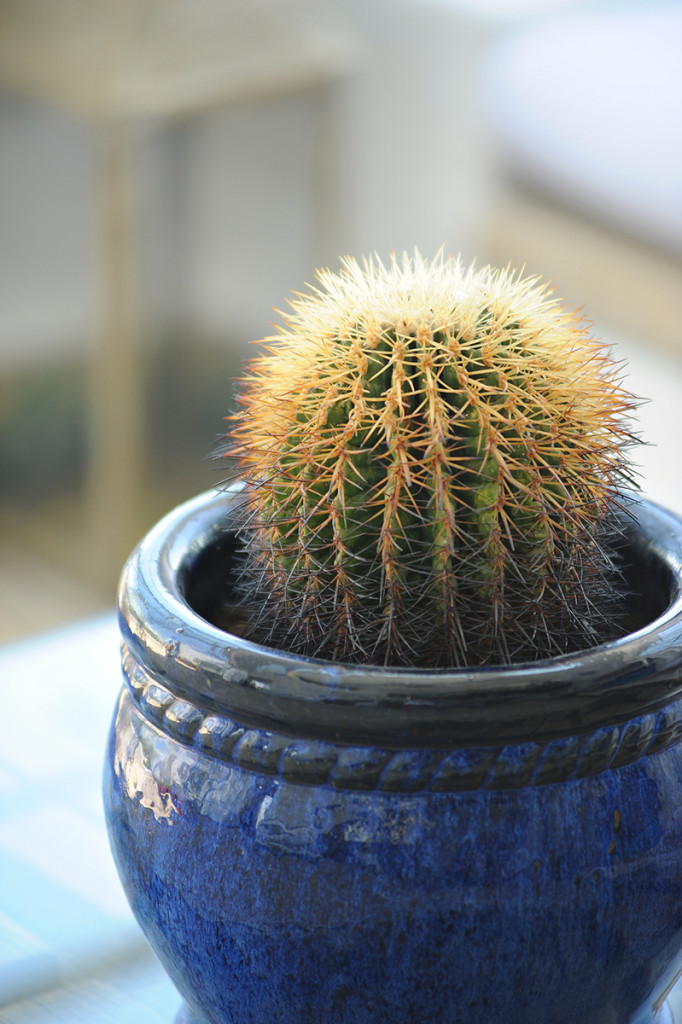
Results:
x,y
116,382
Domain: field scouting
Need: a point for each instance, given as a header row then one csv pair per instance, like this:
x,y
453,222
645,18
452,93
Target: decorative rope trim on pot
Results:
x,y
314,762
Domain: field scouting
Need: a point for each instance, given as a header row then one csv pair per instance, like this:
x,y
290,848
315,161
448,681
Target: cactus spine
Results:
x,y
432,453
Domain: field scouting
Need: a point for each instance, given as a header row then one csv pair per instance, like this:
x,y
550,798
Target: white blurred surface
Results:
x,y
657,379
586,107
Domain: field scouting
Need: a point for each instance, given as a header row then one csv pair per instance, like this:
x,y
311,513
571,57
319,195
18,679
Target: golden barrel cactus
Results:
x,y
433,455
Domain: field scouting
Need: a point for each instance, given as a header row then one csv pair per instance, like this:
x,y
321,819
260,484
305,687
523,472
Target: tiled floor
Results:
x,y
44,581
50,573
35,596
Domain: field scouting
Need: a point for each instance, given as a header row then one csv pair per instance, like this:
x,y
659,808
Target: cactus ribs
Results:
x,y
433,455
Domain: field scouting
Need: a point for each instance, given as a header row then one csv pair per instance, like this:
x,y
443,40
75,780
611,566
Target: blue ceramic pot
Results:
x,y
306,842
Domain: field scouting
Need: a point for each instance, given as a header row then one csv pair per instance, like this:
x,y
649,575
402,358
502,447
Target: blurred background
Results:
x,y
170,171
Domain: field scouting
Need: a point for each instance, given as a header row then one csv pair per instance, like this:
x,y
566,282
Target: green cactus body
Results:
x,y
432,453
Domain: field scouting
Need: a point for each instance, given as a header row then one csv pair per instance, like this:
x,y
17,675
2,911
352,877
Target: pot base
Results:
x,y
664,1016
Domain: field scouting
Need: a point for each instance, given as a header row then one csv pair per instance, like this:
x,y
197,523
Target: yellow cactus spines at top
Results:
x,y
433,454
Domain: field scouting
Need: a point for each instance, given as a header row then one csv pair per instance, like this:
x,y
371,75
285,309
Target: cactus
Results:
x,y
433,455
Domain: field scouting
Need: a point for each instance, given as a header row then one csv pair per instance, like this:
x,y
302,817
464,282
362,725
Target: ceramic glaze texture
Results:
x,y
369,875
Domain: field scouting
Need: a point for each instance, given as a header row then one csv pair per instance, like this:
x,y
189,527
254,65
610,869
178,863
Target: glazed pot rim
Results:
x,y
269,688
